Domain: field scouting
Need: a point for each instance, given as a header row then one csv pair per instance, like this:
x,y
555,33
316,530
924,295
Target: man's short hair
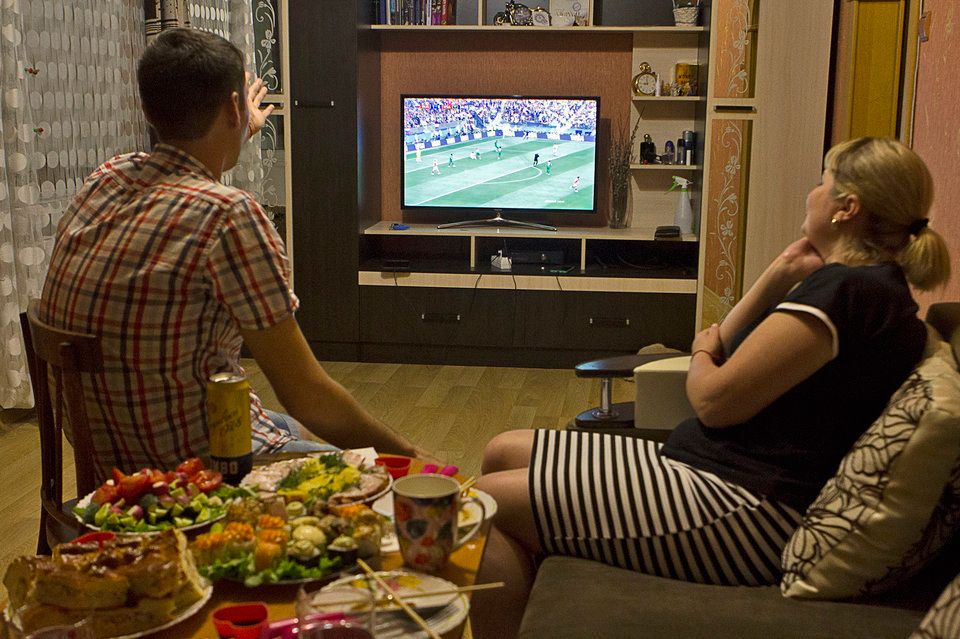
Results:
x,y
185,76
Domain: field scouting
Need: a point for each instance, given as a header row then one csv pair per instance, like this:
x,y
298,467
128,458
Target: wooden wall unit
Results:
x,y
346,169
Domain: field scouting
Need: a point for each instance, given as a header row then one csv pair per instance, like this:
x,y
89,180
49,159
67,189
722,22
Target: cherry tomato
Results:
x,y
191,466
106,494
207,480
132,486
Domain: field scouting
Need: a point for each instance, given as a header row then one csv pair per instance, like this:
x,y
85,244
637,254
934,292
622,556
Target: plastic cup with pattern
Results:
x,y
425,512
355,616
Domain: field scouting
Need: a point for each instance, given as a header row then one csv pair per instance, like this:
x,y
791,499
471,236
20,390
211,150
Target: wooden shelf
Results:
x,y
665,167
522,282
669,98
568,233
491,27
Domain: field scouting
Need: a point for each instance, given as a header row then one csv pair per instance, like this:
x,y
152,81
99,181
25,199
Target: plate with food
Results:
x,y
434,599
336,479
125,587
258,544
151,500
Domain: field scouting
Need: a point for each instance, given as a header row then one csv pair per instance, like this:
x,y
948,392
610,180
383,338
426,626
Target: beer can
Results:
x,y
228,423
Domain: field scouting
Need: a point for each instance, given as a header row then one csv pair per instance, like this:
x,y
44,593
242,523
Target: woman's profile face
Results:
x,y
821,206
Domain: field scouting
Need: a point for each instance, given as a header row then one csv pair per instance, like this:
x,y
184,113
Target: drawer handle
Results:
x,y
734,108
609,321
440,318
313,104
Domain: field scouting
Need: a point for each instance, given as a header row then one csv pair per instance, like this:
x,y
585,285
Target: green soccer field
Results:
x,y
509,182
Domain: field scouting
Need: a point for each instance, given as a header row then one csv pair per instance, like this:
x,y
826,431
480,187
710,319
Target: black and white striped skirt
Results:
x,y
617,500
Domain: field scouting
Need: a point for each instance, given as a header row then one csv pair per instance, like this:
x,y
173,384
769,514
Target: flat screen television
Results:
x,y
519,156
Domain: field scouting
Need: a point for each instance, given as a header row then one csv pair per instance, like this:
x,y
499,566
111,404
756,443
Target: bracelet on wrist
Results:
x,y
716,359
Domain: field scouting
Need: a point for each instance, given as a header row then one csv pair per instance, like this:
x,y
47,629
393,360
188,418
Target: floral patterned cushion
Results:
x,y
942,621
895,499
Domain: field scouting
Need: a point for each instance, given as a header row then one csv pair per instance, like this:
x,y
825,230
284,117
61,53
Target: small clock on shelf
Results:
x,y
540,16
645,82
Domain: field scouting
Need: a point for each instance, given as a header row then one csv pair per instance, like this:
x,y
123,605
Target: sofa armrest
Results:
x,y
661,397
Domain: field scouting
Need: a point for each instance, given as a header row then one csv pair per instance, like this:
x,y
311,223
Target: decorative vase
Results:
x,y
621,205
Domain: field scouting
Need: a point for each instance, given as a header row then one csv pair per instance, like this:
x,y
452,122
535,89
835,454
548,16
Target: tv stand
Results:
x,y
497,220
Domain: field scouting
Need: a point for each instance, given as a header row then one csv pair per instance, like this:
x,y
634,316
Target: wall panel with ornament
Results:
x,y
766,126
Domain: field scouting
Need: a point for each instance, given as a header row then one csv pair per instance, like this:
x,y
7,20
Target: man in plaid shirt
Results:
x,y
174,271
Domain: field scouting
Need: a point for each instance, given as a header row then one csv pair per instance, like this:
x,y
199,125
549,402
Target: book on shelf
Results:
x,y
415,12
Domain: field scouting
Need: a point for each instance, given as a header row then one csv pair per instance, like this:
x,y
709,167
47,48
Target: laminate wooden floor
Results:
x,y
451,411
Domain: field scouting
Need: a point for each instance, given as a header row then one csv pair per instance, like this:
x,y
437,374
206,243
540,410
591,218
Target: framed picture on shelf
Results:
x,y
579,10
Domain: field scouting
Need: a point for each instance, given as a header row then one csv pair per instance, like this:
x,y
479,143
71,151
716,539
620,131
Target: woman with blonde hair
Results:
x,y
781,390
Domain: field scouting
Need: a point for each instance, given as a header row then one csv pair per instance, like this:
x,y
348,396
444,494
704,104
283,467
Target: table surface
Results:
x,y
461,569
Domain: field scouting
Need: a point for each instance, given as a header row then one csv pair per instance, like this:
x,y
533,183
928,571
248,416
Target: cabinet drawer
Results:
x,y
606,321
406,315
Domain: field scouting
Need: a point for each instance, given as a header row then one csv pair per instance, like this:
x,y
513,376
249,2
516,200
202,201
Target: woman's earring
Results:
x,y
834,220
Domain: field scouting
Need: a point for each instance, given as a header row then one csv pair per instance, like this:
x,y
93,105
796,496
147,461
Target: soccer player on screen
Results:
x,y
576,184
536,159
498,149
418,156
450,161
436,168
556,150
549,167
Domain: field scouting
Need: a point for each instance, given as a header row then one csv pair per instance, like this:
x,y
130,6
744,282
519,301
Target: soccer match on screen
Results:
x,y
499,153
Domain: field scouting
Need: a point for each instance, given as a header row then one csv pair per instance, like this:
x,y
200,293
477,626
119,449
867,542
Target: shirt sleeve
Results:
x,y
836,297
248,268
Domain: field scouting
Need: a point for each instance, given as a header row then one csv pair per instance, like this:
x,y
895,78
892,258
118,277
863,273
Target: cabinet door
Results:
x,y
437,316
324,70
605,322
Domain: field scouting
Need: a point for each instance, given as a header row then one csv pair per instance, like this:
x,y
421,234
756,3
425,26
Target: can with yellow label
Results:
x,y
228,422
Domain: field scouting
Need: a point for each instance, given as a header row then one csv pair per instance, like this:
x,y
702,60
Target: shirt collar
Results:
x,y
174,158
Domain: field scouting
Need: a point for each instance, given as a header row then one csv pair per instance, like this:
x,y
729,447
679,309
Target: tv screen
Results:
x,y
509,153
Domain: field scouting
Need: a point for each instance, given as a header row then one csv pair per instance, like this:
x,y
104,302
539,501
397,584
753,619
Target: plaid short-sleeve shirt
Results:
x,y
166,265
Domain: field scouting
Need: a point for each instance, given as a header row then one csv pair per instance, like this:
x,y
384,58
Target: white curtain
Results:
x,y
68,101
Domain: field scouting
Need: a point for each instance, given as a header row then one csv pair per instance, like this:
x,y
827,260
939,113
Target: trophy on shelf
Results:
x,y
515,14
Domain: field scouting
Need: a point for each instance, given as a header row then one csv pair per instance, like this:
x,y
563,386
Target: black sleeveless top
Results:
x,y
789,449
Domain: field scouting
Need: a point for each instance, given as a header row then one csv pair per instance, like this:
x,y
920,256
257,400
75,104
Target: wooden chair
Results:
x,y
66,355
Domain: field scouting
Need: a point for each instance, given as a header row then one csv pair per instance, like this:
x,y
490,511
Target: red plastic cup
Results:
x,y
243,621
396,466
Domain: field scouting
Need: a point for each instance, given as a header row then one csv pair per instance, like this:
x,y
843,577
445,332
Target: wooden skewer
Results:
x,y
403,604
468,484
450,591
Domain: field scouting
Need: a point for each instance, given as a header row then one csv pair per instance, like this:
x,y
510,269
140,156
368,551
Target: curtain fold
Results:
x,y
68,102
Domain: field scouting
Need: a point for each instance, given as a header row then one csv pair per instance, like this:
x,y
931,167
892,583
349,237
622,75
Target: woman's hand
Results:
x,y
709,340
257,116
799,260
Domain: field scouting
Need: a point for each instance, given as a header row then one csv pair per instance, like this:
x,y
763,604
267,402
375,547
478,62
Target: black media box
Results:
x,y
537,257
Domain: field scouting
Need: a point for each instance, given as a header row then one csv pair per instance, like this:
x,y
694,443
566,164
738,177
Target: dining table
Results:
x,y
461,569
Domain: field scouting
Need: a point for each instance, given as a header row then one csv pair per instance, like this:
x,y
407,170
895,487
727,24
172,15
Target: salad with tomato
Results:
x,y
152,500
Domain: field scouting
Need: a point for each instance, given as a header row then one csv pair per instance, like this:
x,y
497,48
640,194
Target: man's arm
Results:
x,y
312,397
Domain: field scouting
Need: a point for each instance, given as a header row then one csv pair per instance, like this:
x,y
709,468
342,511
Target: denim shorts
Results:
x,y
289,425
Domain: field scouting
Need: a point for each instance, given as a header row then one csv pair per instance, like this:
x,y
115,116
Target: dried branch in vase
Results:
x,y
621,156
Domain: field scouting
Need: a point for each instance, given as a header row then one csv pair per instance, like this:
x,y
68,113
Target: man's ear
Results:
x,y
234,109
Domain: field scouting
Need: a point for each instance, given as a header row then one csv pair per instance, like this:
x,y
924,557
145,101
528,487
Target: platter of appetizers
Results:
x,y
151,500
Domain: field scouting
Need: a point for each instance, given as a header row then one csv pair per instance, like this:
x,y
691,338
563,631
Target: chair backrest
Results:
x,y
945,317
65,355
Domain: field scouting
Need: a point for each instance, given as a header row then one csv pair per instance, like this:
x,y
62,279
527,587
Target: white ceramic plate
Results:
x,y
86,500
182,615
469,514
443,612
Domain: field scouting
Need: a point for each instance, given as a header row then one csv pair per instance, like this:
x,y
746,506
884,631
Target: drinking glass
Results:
x,y
351,616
